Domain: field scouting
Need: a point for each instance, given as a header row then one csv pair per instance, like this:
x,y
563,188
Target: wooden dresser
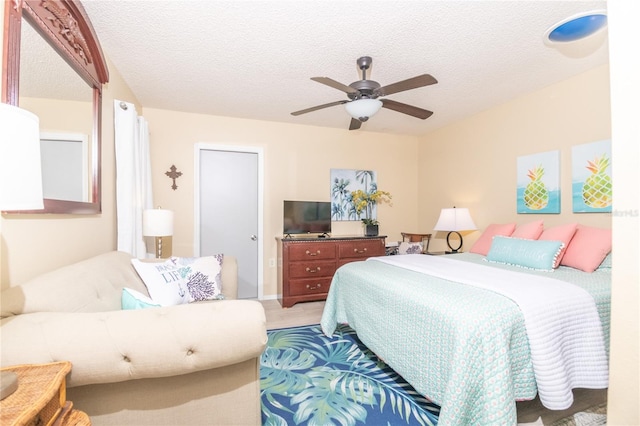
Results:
x,y
306,265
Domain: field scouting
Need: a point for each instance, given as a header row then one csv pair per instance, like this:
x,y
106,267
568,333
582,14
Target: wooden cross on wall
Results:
x,y
173,175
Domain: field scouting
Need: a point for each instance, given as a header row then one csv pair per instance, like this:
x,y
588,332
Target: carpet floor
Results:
x,y
307,378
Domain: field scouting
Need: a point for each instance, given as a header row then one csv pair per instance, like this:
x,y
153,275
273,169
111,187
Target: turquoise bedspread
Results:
x,y
463,347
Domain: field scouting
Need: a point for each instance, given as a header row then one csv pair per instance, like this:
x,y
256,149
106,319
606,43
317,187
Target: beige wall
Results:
x,y
33,244
472,163
298,160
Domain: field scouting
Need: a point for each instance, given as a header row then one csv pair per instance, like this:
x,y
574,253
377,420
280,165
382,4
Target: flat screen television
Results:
x,y
307,217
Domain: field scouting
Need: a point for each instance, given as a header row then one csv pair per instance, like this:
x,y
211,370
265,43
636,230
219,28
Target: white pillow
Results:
x,y
409,248
202,275
180,280
164,282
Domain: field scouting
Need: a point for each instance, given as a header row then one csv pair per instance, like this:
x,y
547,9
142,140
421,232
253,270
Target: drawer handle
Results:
x,y
364,250
315,287
313,254
313,271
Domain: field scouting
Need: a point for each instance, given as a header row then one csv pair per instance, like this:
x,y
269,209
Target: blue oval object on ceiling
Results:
x,y
578,28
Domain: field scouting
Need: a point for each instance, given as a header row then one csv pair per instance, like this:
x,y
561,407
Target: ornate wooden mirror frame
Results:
x,y
65,25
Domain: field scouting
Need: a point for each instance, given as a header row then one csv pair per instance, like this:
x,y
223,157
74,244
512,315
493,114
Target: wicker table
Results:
x,y
41,397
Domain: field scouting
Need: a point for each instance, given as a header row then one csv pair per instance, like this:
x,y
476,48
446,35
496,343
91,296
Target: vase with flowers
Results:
x,y
363,203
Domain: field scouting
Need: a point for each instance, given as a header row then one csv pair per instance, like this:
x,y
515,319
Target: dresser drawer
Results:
x,y
306,266
312,251
312,269
361,249
309,286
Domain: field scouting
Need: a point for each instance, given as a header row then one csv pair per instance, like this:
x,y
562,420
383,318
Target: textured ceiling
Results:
x,y
254,59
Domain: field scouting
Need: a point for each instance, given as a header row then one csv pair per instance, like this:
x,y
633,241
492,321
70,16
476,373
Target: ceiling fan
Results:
x,y
363,96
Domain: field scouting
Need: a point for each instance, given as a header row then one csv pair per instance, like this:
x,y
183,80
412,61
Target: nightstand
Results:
x,y
41,397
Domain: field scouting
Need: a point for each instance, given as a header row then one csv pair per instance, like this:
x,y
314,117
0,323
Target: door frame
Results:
x,y
206,146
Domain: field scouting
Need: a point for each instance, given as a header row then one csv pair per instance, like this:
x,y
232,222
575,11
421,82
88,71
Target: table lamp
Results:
x,y
454,220
20,163
158,223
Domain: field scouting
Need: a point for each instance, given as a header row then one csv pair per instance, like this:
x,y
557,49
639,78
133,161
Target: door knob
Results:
x,y
254,237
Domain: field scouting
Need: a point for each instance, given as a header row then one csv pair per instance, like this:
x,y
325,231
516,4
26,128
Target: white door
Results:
x,y
229,210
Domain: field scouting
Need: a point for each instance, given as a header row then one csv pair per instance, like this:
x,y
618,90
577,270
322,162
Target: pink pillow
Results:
x,y
588,248
529,231
483,244
562,233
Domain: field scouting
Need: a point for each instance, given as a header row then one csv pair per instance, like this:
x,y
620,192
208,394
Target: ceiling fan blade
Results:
x,y
335,84
355,124
411,83
317,107
406,109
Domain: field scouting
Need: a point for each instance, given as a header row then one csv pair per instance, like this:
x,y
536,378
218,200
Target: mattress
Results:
x,y
465,348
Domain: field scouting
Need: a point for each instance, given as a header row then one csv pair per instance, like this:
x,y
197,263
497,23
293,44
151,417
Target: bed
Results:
x,y
468,346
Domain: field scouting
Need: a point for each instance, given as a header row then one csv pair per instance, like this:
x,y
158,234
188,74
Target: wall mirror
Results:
x,y
55,69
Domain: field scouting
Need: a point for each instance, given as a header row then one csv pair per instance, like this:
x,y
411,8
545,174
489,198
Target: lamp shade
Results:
x,y
20,162
455,220
157,223
363,109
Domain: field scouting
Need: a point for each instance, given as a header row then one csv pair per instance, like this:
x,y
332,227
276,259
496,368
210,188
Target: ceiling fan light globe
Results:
x,y
363,109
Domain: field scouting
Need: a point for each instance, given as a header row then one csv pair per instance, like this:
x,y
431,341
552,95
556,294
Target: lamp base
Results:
x,y
163,246
454,250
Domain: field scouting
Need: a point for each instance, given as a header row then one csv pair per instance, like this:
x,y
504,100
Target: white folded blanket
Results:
x,y
561,319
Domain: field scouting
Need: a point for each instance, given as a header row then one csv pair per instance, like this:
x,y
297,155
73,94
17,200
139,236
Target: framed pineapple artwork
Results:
x,y
538,183
591,187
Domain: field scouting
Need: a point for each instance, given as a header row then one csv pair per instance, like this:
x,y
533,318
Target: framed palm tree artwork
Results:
x,y
343,183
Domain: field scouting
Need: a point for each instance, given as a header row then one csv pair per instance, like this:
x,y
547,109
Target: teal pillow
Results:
x,y
540,255
132,299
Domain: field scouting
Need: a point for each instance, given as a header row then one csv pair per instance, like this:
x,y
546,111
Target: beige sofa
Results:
x,y
178,365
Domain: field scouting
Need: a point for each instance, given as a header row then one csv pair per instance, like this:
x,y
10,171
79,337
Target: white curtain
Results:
x,y
133,177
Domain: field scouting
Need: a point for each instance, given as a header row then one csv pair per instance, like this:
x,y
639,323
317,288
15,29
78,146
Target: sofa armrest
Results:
x,y
106,347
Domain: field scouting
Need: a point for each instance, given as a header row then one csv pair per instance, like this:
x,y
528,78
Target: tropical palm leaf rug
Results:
x,y
308,378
